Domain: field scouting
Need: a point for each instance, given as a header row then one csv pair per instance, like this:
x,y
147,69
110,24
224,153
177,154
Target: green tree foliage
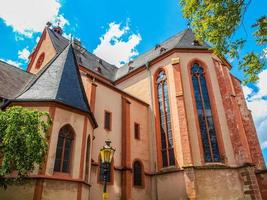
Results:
x,y
215,21
23,142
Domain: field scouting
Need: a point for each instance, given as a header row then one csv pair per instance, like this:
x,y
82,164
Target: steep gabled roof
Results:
x,y
84,58
58,41
12,80
183,40
58,81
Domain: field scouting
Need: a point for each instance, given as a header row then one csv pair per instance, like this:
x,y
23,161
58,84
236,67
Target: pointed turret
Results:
x,y
59,81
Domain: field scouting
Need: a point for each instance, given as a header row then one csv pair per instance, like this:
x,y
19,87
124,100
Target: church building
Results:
x,y
176,116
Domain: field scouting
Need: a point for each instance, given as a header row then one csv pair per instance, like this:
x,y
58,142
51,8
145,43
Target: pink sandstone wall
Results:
x,y
18,192
110,100
171,186
135,86
218,184
49,50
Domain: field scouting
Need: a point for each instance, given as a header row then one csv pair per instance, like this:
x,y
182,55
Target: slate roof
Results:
x,y
58,81
84,58
12,80
181,40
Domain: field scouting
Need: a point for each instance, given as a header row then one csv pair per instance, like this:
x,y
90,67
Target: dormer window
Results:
x,y
162,50
99,61
58,30
196,43
98,69
131,68
157,46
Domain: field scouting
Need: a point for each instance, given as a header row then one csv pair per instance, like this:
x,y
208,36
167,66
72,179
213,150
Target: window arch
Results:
x,y
167,151
87,158
64,149
204,112
138,173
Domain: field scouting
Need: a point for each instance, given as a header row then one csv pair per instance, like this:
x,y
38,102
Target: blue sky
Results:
x,y
117,31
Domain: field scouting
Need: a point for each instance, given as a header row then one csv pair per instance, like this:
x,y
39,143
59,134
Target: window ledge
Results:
x,y
62,174
168,169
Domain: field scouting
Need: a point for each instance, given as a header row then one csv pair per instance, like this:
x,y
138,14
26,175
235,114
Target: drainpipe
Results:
x,y
152,128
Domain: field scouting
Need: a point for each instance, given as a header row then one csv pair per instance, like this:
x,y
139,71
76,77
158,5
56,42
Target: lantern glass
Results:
x,y
107,153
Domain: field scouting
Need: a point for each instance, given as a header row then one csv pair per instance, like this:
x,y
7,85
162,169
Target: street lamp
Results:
x,y
106,154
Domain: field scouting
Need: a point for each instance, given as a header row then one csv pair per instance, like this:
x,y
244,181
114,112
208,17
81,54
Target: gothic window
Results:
x,y
87,164
137,174
205,118
64,149
167,151
40,60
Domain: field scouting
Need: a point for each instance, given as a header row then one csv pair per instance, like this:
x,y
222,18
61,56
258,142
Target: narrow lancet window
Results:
x,y
137,174
205,118
167,150
64,149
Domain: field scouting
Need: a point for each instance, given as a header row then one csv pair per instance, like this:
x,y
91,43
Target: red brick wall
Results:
x,y
234,121
251,187
251,134
262,182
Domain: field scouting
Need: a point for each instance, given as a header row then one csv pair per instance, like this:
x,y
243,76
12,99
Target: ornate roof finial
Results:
x,y
57,28
58,21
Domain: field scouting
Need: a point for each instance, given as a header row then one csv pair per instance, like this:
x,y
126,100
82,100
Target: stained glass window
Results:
x,y
137,173
167,151
205,118
64,148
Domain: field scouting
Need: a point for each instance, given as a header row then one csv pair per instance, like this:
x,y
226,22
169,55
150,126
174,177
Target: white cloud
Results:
x,y
24,54
22,58
37,39
257,103
29,16
117,45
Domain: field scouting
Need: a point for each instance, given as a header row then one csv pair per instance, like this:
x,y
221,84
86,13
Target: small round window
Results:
x,y
40,60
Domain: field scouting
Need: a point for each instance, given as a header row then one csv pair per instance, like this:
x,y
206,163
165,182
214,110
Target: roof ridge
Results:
x,y
184,33
164,41
80,78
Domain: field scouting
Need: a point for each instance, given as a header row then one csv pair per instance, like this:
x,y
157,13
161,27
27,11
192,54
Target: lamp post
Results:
x,y
106,154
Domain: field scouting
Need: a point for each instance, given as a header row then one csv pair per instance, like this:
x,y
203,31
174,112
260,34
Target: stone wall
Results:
x,y
262,182
250,185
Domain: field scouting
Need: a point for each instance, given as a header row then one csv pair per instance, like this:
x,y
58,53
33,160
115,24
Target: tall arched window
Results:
x,y
205,118
87,164
137,174
64,149
167,151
